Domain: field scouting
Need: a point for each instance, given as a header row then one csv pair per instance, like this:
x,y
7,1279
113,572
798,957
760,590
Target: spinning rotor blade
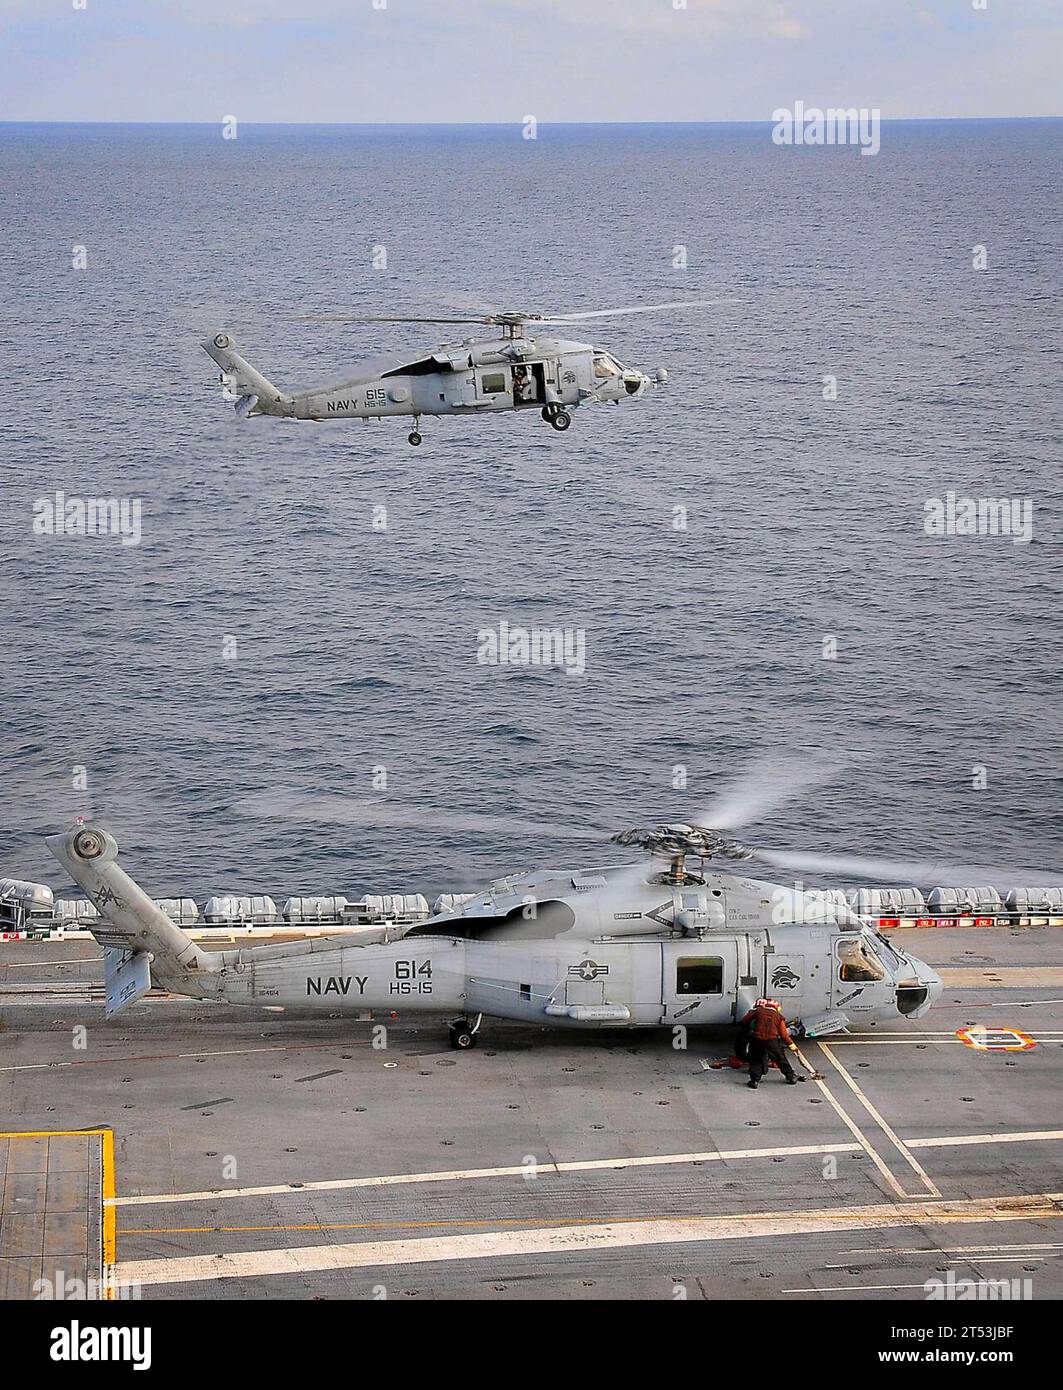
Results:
x,y
631,309
767,785
286,804
507,316
378,318
900,871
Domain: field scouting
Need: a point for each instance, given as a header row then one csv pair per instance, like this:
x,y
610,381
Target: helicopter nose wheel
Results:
x,y
414,435
560,419
463,1033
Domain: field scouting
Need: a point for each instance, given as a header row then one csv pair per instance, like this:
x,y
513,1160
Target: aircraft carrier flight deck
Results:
x,y
192,1150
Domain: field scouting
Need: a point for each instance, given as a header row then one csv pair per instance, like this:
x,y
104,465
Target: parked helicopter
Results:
x,y
476,376
631,945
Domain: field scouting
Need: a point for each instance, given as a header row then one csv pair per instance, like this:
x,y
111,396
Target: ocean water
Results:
x,y
356,648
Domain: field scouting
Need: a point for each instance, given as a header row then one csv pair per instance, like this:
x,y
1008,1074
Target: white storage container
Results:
x,y
887,902
227,908
1042,900
320,908
395,907
74,910
183,911
965,901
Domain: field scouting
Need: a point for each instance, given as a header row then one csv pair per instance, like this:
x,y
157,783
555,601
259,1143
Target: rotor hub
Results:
x,y
677,841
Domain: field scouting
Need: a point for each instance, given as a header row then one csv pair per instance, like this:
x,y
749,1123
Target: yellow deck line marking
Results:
x,y
612,1235
857,1133
49,1133
893,1137
110,1216
580,1165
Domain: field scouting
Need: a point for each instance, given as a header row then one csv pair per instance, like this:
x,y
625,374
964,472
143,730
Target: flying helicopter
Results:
x,y
513,371
676,939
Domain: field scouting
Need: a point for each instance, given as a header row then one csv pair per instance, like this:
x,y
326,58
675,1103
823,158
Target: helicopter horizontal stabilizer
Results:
x,y
127,975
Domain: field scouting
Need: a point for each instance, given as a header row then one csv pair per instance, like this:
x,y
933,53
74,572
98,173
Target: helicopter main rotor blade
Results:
x,y
764,787
283,803
376,318
897,872
632,309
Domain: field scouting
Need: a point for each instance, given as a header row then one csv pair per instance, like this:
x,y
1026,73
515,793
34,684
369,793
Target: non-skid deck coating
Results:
x,y
52,1221
260,1155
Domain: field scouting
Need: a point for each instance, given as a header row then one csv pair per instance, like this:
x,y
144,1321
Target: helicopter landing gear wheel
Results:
x,y
463,1033
414,437
547,412
561,420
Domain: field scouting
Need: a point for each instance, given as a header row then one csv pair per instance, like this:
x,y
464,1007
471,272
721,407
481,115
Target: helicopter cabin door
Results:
x,y
700,981
529,384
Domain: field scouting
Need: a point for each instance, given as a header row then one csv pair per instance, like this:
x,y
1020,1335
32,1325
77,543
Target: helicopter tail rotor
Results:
x,y
241,383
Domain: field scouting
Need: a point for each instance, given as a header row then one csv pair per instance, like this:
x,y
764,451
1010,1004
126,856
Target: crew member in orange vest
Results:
x,y
768,1034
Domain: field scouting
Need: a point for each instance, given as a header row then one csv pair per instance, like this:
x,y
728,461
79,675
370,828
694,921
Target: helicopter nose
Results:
x,y
916,996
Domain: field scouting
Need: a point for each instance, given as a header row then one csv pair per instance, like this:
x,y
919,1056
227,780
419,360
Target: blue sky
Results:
x,y
500,60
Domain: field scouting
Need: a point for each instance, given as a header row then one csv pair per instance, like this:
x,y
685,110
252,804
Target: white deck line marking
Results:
x,y
851,1125
1004,1004
959,1140
894,1138
32,964
579,1165
166,1057
1000,1259
901,1042
557,1240
852,1288
968,1254
474,1174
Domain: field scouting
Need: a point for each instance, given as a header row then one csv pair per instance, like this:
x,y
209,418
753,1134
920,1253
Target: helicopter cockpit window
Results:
x,y
858,963
606,366
699,975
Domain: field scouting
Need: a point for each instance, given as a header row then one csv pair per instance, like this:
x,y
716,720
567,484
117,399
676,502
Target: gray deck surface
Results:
x,y
923,1164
